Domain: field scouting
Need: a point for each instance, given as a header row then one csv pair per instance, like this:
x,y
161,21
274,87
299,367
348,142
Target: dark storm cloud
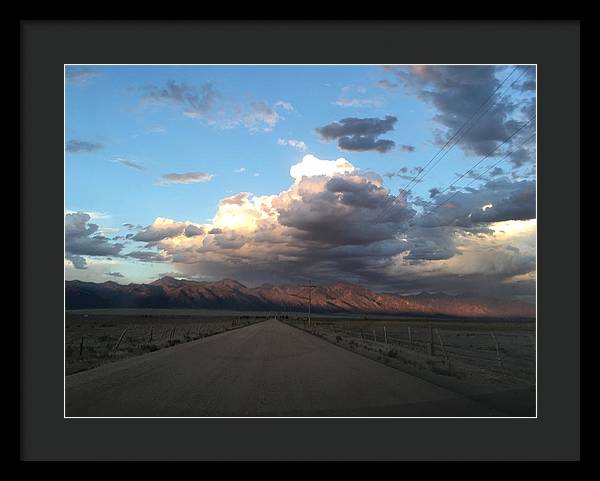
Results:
x,y
527,82
430,244
78,262
360,135
81,239
346,225
433,192
522,156
166,228
160,230
350,210
519,205
146,256
457,92
495,201
76,146
363,143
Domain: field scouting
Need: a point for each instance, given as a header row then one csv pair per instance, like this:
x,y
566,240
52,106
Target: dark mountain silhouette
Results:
x,y
340,297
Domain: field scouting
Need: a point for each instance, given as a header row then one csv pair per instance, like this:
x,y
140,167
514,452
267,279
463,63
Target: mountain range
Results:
x,y
340,297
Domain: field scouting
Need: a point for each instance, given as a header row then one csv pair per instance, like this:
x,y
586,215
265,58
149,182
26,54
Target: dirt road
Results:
x,y
267,369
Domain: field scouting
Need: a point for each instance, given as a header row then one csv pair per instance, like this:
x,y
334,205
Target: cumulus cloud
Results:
x,y
77,146
83,239
355,134
337,222
185,178
407,148
457,92
163,228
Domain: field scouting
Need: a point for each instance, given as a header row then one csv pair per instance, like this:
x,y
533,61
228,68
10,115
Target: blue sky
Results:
x,y
223,130
107,110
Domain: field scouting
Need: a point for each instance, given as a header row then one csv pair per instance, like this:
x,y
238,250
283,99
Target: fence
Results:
x,y
509,354
88,344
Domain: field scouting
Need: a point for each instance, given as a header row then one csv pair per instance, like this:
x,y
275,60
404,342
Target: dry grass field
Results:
x,y
481,359
92,337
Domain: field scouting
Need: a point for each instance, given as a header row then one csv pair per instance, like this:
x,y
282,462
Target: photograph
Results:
x,y
300,240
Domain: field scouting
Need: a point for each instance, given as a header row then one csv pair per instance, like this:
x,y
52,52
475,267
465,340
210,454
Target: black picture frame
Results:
x,y
47,45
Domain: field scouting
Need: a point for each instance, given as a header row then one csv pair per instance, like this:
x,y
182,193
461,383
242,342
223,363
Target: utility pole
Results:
x,y
310,288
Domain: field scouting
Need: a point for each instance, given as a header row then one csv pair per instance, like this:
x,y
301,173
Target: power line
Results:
x,y
416,178
462,126
488,155
490,107
480,175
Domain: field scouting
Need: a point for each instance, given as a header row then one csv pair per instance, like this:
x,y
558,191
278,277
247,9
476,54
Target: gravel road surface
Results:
x,y
266,369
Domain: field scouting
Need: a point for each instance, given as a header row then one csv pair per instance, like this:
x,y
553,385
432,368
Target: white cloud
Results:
x,y
311,166
297,144
356,102
337,222
284,105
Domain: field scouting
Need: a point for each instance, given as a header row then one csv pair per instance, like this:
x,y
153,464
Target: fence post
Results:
x,y
81,347
385,334
150,340
497,350
374,336
120,339
442,346
410,336
431,347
